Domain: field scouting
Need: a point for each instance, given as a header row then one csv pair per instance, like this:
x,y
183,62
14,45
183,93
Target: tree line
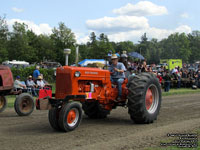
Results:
x,y
23,44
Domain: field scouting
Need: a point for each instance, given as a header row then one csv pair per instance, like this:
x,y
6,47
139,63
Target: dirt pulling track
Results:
x,y
179,114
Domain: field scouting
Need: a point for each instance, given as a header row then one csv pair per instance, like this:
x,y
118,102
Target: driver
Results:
x,y
117,70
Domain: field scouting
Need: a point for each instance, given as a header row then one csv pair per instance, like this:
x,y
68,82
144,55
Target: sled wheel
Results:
x,y
24,104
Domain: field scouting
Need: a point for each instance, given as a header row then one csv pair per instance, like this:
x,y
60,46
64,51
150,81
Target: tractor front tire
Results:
x,y
70,116
54,117
144,98
94,111
24,104
3,103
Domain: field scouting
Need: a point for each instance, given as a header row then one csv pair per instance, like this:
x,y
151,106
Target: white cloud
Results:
x,y
135,35
83,40
142,8
17,10
184,15
183,28
164,33
81,37
46,29
117,24
37,29
152,32
131,23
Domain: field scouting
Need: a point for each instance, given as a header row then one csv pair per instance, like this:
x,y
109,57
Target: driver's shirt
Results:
x,y
116,74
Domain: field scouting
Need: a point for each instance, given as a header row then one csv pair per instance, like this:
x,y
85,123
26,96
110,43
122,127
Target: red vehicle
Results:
x,y
24,103
93,89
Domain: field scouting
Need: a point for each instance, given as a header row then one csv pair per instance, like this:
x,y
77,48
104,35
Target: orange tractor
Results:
x,y
92,88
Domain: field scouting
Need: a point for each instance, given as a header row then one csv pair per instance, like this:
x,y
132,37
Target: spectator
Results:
x,y
30,82
118,54
198,78
184,73
31,85
110,53
178,80
18,85
159,78
124,59
36,73
109,57
45,82
161,69
167,79
144,68
139,68
150,69
175,70
40,82
144,63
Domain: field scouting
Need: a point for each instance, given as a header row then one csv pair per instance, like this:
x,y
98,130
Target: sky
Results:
x,y
121,20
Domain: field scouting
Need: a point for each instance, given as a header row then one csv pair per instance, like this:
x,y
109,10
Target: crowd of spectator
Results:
x,y
33,83
177,77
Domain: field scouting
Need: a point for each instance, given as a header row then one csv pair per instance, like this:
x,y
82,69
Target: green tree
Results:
x,y
144,47
3,39
93,38
124,46
97,48
176,46
92,45
104,46
45,48
84,52
154,52
62,38
194,39
19,47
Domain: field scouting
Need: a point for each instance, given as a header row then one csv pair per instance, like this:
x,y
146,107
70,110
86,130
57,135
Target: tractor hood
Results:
x,y
68,79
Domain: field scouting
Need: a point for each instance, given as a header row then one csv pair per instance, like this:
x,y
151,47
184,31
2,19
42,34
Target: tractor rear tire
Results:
x,y
24,104
70,116
144,98
3,103
94,111
54,117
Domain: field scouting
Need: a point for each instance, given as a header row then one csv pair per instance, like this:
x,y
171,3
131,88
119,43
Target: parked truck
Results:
x,y
171,63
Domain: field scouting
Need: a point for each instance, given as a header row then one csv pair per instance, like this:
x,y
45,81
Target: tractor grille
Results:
x,y
63,83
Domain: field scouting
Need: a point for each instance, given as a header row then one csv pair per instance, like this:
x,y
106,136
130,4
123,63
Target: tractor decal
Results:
x,y
89,95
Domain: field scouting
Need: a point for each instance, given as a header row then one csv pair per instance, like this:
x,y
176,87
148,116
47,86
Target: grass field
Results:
x,y
180,91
